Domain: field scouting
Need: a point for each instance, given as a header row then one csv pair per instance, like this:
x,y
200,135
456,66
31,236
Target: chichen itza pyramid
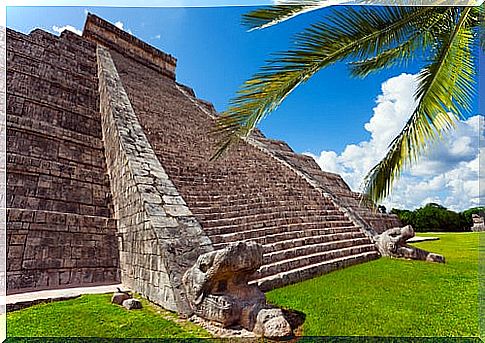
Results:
x,y
109,178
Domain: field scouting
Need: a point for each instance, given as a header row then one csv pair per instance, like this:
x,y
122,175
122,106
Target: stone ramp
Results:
x,y
246,195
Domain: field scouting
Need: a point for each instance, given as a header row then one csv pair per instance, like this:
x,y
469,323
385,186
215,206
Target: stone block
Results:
x,y
271,323
173,200
119,297
64,277
177,210
15,252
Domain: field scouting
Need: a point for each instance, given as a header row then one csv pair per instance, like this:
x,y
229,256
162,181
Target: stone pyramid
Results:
x,y
109,177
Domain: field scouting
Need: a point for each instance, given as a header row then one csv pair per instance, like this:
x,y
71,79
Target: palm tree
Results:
x,y
369,39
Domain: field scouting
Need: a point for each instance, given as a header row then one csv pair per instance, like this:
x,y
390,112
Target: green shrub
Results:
x,y
435,218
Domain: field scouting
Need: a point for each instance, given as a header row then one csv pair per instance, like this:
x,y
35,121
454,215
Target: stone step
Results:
x,y
274,216
312,240
305,260
235,183
312,270
285,241
226,200
271,210
310,249
193,173
279,224
209,189
261,187
270,235
203,209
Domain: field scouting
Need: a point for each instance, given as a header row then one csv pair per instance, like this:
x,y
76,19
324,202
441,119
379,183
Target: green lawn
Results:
x,y
390,297
95,316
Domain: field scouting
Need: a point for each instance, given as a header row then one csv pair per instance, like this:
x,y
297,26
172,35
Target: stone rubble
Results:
x,y
271,323
132,304
118,298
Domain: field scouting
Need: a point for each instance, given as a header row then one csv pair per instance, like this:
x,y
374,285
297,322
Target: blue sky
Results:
x,y
216,55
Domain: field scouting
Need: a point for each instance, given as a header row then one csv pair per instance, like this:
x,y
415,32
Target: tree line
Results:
x,y
434,217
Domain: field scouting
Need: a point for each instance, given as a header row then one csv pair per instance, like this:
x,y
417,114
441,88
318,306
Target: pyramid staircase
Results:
x,y
302,232
246,196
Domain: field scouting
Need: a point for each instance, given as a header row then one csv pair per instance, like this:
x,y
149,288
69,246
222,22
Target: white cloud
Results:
x,y
60,29
448,174
121,26
158,36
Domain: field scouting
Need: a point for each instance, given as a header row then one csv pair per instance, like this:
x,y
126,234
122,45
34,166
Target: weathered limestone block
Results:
x,y
217,289
272,324
392,243
119,297
132,304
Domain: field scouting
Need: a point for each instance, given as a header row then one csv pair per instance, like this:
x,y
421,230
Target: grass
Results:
x,y
390,297
95,316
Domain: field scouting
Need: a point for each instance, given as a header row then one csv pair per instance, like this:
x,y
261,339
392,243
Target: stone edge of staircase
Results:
x,y
157,238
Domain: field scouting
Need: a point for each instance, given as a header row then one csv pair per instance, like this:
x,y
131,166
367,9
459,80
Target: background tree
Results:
x,y
368,39
434,217
407,217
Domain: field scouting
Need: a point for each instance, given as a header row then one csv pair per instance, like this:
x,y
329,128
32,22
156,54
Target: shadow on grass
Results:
x,y
295,319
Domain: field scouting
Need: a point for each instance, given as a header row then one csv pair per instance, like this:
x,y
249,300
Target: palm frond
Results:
x,y
350,33
481,26
397,56
284,10
400,55
445,89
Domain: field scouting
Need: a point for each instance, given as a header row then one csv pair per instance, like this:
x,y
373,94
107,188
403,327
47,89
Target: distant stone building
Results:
x,y
109,177
478,223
